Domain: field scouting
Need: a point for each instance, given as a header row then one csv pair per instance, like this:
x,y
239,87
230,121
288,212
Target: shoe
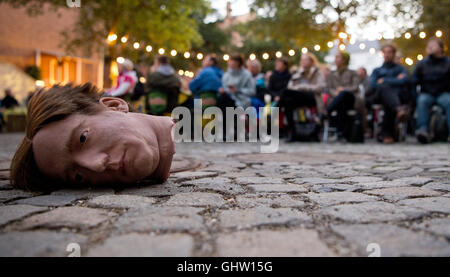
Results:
x,y
448,138
423,137
388,140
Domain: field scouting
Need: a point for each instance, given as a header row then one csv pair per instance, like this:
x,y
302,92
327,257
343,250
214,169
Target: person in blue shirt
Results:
x,y
390,85
209,79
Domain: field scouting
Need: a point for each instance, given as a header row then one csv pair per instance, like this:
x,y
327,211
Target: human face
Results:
x,y
233,64
113,146
339,60
433,48
388,54
361,73
207,61
280,66
306,62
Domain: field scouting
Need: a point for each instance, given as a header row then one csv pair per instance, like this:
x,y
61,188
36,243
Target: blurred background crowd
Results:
x,y
332,79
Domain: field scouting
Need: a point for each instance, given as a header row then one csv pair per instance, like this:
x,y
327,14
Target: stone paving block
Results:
x,y
399,193
5,185
289,243
437,226
9,195
413,181
196,199
166,189
431,204
140,245
287,188
402,182
84,193
49,200
362,179
191,175
72,217
122,201
258,180
393,241
372,212
38,244
259,216
333,187
334,198
406,172
161,218
438,186
269,200
315,181
387,169
218,184
441,169
16,212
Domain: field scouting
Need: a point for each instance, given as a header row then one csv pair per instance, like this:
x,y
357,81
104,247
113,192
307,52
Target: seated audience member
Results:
x,y
237,85
390,85
209,79
433,76
279,79
9,101
254,66
126,81
342,88
364,82
98,142
304,90
164,79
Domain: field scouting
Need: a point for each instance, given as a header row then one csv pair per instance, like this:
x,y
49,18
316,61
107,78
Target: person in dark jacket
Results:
x,y
433,76
390,83
9,101
279,78
163,78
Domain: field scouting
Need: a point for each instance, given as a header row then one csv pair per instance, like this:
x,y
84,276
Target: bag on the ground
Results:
x,y
438,124
354,128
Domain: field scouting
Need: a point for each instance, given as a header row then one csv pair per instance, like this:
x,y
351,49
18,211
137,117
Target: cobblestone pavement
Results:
x,y
305,200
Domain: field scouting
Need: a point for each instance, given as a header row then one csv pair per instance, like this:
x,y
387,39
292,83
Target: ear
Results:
x,y
115,104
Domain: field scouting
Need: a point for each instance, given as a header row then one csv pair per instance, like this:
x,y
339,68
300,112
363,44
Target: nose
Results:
x,y
95,162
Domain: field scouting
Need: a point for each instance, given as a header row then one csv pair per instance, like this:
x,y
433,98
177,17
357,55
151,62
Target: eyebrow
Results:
x,y
69,148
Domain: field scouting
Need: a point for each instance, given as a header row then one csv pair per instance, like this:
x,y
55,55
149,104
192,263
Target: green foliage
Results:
x,y
434,15
160,23
34,72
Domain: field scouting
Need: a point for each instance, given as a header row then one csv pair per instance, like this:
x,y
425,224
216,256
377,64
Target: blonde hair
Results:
x,y
127,64
313,58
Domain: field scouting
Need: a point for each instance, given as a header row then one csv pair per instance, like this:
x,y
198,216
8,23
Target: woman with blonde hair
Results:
x,y
304,90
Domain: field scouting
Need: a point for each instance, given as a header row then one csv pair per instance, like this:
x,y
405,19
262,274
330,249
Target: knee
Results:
x,y
444,100
424,100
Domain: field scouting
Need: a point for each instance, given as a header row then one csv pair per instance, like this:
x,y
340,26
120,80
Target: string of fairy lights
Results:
x,y
343,40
